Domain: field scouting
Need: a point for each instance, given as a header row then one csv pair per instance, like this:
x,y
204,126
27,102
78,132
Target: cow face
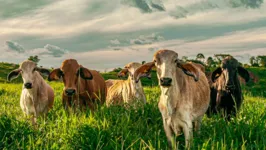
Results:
x,y
70,71
166,62
28,71
130,69
228,72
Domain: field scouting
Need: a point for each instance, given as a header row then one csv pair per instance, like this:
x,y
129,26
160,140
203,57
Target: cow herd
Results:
x,y
187,92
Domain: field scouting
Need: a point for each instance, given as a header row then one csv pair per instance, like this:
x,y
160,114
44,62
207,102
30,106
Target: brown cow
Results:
x,y
185,93
83,87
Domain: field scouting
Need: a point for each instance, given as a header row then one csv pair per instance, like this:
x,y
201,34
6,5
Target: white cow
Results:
x,y
125,91
185,93
37,97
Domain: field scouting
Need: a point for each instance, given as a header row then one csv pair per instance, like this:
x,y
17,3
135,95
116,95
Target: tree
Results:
x,y
220,57
184,58
262,60
34,59
210,61
143,62
200,56
254,61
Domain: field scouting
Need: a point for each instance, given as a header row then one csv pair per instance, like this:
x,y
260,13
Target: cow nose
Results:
x,y
28,85
70,92
166,81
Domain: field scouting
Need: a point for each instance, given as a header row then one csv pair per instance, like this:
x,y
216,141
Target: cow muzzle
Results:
x,y
70,92
28,85
165,81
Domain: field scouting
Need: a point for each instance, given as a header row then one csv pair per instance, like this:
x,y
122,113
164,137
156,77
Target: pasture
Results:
x,y
132,128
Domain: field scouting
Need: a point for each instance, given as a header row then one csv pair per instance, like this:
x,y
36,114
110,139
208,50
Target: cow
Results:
x,y
185,94
226,94
37,97
82,87
125,91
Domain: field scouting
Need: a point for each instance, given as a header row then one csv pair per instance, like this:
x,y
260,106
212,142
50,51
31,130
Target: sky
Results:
x,y
103,34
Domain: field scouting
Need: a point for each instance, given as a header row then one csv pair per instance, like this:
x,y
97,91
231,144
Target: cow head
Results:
x,y
28,70
228,72
70,71
129,69
166,63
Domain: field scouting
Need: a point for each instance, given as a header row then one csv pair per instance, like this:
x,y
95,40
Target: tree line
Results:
x,y
255,61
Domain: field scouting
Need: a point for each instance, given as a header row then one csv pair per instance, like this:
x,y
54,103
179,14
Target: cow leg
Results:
x,y
197,125
169,134
34,121
188,132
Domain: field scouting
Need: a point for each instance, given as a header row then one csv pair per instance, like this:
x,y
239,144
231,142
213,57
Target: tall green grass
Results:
x,y
120,128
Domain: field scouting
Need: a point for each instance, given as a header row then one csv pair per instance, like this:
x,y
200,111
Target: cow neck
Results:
x,y
170,95
80,87
133,85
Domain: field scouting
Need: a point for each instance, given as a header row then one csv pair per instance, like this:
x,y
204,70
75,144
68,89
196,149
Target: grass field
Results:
x,y
120,128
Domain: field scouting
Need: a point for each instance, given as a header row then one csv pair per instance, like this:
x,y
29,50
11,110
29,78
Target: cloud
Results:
x,y
145,6
188,27
55,50
149,39
14,46
47,50
115,42
113,17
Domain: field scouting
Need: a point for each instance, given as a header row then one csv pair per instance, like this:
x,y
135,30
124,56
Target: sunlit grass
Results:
x,y
120,128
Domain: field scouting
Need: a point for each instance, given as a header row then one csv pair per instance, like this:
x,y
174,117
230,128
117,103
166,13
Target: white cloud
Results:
x,y
59,20
115,42
14,46
149,39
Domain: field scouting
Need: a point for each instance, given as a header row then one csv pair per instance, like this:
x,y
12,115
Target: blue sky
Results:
x,y
103,34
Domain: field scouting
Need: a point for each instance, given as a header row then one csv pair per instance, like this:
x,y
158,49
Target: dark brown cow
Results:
x,y
83,87
226,91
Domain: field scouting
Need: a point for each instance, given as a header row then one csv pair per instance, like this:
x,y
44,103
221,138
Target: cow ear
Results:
x,y
55,75
123,73
84,73
243,73
13,74
143,71
43,71
216,73
189,69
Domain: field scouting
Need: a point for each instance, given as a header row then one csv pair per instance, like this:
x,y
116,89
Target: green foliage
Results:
x,y
200,56
119,128
6,68
34,59
184,58
133,128
254,61
262,60
258,88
